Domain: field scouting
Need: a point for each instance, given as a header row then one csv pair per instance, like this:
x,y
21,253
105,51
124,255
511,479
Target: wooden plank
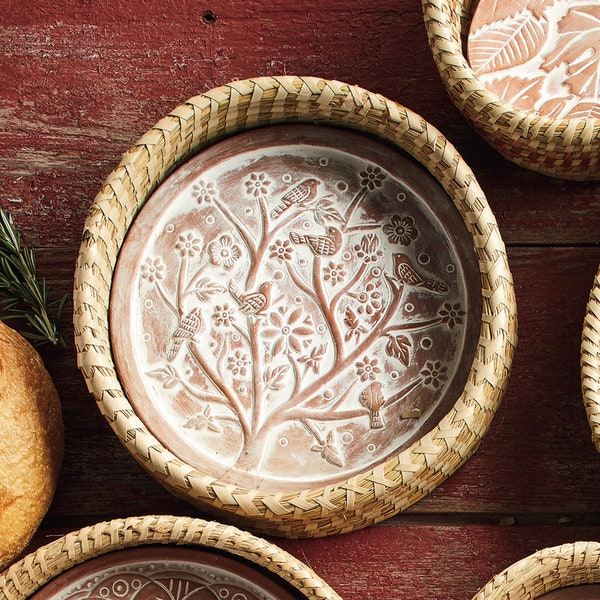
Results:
x,y
81,84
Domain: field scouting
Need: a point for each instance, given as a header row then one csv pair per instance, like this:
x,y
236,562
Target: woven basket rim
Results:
x,y
569,564
590,360
202,120
447,22
32,572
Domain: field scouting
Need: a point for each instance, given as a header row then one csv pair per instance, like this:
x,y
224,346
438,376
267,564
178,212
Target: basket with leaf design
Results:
x,y
293,305
562,147
158,555
568,571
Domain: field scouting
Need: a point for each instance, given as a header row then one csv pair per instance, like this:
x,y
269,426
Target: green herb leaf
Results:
x,y
22,295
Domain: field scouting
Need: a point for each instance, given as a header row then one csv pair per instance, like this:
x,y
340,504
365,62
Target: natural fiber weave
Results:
x,y
565,148
28,575
590,360
389,487
544,571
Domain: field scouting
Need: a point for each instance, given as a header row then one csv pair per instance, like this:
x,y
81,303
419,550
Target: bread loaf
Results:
x,y
31,442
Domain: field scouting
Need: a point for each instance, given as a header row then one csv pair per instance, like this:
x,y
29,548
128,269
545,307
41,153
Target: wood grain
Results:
x,y
80,82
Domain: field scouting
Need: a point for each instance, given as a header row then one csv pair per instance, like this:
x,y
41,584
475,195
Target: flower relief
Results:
x,y
152,269
289,329
281,250
401,230
204,191
372,177
257,185
224,252
451,314
434,374
188,245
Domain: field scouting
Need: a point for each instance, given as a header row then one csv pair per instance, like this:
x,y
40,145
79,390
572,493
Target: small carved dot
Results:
x,y
347,437
424,258
426,343
401,197
371,448
409,307
287,178
450,268
283,442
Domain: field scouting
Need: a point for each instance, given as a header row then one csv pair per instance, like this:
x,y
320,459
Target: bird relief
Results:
x,y
301,313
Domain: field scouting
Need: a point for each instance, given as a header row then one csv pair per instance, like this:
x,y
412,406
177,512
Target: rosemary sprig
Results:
x,y
22,295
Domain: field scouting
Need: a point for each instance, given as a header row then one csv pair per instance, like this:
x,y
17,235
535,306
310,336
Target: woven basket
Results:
x,y
546,570
388,487
565,148
590,360
28,575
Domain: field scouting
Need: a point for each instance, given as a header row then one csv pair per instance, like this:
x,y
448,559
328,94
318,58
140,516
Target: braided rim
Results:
x,y
566,148
389,487
590,360
576,563
35,570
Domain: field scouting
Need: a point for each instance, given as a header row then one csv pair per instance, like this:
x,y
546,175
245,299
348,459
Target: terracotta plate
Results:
x,y
293,306
165,572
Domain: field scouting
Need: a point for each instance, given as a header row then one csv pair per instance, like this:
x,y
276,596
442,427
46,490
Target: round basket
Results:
x,y
37,569
546,570
387,487
590,360
564,148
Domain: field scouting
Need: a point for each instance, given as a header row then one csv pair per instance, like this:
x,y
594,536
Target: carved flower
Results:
x,y
281,249
371,177
204,191
334,273
188,245
368,248
434,374
224,315
401,230
238,363
367,368
451,314
152,269
257,185
370,299
289,328
224,252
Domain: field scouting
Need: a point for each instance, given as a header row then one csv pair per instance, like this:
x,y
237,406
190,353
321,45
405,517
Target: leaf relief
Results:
x,y
507,43
578,46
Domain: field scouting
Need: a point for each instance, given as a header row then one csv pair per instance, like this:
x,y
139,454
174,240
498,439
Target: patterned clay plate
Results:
x,y
293,306
165,572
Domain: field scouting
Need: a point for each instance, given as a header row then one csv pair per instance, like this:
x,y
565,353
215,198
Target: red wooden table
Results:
x,y
81,81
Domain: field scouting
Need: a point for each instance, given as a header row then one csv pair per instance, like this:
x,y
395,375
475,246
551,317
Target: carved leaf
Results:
x,y
519,91
578,33
275,378
506,43
206,288
329,451
166,375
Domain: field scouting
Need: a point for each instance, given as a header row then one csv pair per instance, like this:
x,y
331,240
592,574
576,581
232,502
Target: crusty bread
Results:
x,y
31,442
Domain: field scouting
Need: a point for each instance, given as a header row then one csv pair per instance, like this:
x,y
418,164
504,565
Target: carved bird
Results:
x,y
188,327
321,245
252,303
305,191
372,399
406,273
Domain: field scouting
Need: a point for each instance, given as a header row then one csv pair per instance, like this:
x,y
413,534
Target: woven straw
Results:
x,y
546,570
388,487
590,360
565,148
28,575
